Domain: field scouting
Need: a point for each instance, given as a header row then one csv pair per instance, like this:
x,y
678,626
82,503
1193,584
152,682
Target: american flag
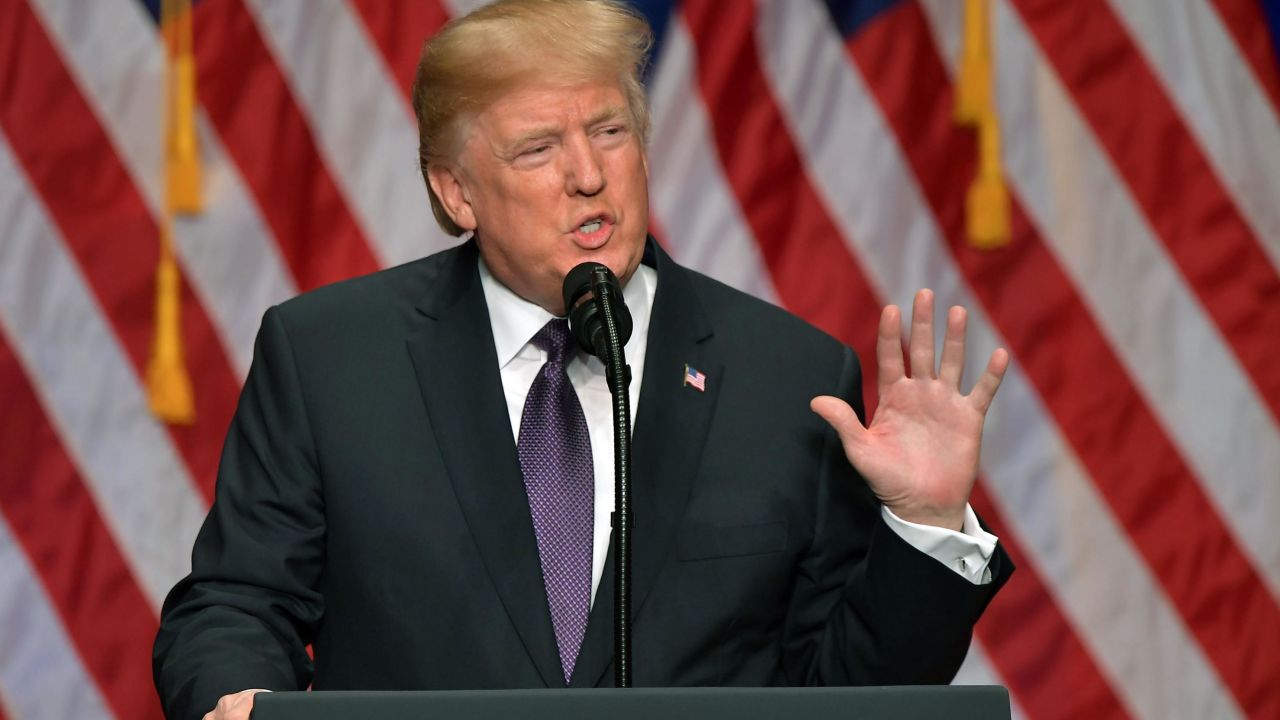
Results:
x,y
695,378
803,151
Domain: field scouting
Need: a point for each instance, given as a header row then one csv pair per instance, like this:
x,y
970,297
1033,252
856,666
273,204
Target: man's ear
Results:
x,y
447,184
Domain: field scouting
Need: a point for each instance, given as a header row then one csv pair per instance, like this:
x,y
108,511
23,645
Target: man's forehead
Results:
x,y
555,106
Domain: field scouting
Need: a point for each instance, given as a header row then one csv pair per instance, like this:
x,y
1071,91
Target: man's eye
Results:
x,y
538,150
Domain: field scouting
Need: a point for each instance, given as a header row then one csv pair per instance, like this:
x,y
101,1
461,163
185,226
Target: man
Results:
x,y
418,478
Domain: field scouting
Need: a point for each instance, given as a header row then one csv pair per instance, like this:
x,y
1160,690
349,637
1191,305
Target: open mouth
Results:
x,y
594,232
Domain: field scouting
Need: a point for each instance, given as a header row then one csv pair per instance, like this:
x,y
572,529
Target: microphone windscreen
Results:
x,y
585,321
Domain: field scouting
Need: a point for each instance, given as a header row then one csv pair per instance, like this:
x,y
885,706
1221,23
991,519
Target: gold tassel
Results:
x,y
169,390
182,156
973,84
987,201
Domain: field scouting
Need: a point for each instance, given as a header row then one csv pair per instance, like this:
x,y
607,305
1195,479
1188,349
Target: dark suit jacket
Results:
x,y
370,503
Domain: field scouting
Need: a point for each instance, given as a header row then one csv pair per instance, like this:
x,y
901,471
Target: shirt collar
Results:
x,y
515,320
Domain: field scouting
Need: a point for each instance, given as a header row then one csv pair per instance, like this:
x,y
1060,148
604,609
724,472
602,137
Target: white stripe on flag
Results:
x,y
690,195
41,674
1215,90
362,125
1046,497
458,8
94,399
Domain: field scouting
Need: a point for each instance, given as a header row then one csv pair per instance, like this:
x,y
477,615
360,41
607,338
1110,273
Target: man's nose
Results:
x,y
584,171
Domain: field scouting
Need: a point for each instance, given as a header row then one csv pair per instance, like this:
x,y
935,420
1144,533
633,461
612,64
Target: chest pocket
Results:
x,y
707,542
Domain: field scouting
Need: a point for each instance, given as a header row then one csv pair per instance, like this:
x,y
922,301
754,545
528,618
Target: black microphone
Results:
x,y
602,325
586,319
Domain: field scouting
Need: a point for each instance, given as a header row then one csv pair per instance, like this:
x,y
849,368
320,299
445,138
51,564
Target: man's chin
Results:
x,y
625,262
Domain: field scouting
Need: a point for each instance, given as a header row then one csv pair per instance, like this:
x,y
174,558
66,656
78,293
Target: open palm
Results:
x,y
920,453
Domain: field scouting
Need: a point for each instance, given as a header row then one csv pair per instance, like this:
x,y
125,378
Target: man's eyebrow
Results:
x,y
612,112
608,114
537,133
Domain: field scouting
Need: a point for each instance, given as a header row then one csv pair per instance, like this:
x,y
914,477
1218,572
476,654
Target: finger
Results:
x,y
841,417
244,706
236,706
223,708
952,366
239,707
921,349
889,347
987,385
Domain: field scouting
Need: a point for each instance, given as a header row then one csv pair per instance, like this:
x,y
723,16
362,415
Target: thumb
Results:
x,y
841,417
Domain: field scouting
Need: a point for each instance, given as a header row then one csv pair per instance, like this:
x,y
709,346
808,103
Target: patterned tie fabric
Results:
x,y
555,458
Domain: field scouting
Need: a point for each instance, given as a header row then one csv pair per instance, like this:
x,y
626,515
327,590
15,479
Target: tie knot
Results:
x,y
555,339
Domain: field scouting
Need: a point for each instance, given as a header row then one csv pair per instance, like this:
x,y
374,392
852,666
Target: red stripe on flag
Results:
x,y
73,167
1195,217
1247,24
265,132
1139,471
1033,645
54,518
398,28
815,275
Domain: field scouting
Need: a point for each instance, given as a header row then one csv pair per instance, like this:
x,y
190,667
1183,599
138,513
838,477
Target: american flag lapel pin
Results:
x,y
694,378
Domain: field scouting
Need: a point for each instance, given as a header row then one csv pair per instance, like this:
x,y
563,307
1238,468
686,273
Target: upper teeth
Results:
x,y
590,227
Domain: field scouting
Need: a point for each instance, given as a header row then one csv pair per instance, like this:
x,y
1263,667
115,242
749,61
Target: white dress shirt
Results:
x,y
515,321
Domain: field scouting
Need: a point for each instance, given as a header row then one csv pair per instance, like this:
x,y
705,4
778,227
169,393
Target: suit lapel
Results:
x,y
667,443
457,369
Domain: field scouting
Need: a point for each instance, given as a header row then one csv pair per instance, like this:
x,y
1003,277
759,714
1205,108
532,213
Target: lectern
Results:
x,y
971,702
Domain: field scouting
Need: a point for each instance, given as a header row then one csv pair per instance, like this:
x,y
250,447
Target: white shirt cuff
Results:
x,y
967,552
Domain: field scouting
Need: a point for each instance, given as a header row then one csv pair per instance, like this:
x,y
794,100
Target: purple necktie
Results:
x,y
555,458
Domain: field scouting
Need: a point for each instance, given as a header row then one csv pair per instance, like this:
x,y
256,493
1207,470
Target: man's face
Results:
x,y
550,177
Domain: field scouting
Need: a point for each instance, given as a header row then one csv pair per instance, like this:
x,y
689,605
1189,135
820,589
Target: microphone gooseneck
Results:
x,y
601,324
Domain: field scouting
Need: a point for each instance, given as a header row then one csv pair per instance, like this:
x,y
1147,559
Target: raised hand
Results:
x,y
920,454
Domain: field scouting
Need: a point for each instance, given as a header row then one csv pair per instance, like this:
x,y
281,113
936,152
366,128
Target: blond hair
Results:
x,y
479,57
